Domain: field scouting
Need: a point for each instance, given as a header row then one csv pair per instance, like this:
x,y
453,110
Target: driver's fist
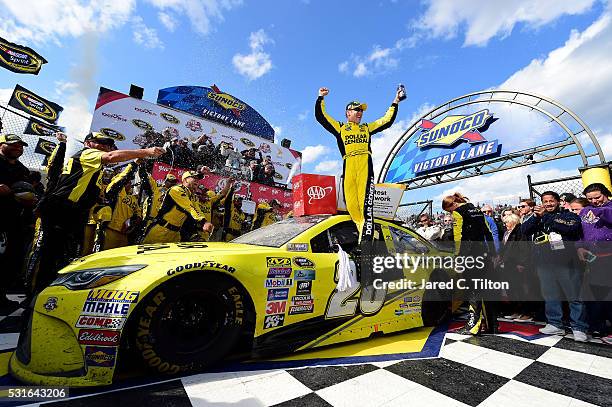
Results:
x,y
323,91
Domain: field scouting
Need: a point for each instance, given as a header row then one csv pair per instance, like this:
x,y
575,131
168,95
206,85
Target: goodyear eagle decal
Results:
x,y
455,128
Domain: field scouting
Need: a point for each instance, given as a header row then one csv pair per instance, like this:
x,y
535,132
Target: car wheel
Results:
x,y
436,302
189,325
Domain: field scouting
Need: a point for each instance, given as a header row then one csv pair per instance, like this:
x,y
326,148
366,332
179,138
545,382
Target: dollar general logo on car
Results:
x,y
454,128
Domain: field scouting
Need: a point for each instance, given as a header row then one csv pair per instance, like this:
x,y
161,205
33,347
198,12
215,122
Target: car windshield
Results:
x,y
279,233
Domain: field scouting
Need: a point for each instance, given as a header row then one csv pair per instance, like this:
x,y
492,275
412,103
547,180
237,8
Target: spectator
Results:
x,y
233,160
266,176
253,171
564,201
595,249
428,229
577,204
493,226
526,209
509,211
556,264
64,209
12,233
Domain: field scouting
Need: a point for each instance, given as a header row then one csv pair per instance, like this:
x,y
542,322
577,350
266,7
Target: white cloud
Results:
x,y
485,19
379,60
577,75
144,35
167,20
343,66
304,115
312,153
257,63
5,95
331,167
39,21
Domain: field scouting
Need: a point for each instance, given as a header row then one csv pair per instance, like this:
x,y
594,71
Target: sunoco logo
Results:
x,y
34,105
226,101
114,134
454,128
142,124
169,118
316,192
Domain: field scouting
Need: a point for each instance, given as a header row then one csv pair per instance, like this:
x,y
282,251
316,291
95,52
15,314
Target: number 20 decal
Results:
x,y
343,304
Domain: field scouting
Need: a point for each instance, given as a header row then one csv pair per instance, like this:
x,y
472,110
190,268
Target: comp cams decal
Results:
x,y
88,321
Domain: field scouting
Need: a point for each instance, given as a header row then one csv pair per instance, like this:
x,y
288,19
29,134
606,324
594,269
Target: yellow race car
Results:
x,y
182,307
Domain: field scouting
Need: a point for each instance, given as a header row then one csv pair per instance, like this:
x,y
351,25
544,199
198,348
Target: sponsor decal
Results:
x,y
114,134
20,59
141,124
193,125
50,304
403,305
407,299
273,321
98,337
416,298
304,275
277,272
316,192
113,295
143,248
276,307
105,308
278,294
100,356
302,300
303,288
114,116
88,321
415,304
35,105
265,148
301,309
206,264
288,165
146,111
454,128
169,118
247,142
297,247
278,176
278,261
278,282
226,101
303,262
398,312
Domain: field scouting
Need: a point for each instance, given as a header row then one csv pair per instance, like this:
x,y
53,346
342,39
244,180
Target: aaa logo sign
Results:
x,y
454,128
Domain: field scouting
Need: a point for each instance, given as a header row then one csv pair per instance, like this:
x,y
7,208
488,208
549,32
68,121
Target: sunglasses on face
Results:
x,y
357,109
522,206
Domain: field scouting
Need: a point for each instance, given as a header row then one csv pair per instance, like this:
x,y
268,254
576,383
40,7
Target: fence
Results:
x,y
572,185
410,212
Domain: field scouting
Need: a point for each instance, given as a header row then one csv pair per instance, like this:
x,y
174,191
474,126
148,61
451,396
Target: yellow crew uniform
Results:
x,y
125,208
264,216
233,218
179,204
358,173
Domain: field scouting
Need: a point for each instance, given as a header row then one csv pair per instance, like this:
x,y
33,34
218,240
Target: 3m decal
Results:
x,y
278,262
273,321
276,307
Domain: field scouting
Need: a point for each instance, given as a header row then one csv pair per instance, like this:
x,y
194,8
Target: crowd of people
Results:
x,y
223,158
559,251
102,198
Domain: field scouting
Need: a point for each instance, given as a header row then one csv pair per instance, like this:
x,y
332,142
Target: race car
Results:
x,y
177,308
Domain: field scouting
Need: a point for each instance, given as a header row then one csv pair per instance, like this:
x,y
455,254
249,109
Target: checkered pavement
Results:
x,y
492,370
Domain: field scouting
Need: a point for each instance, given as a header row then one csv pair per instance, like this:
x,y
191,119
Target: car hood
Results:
x,y
164,253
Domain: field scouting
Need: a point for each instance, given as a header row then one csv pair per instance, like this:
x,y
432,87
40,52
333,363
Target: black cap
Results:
x,y
12,139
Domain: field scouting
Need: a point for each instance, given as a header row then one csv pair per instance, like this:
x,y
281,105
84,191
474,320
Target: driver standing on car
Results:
x,y
179,204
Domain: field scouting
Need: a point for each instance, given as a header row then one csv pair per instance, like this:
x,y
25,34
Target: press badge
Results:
x,y
556,241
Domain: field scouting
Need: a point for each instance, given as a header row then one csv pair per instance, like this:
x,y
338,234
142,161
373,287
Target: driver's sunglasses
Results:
x,y
357,109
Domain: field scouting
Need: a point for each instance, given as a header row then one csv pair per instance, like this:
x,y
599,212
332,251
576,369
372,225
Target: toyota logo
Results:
x,y
316,192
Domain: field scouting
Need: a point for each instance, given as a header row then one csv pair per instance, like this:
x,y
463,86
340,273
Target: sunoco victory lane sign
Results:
x,y
126,119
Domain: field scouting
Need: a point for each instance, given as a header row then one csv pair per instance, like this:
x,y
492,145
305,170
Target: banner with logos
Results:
x,y
31,103
128,120
257,192
38,128
387,198
20,59
45,147
216,105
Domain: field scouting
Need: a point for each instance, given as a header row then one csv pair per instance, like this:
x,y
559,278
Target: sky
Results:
x,y
275,55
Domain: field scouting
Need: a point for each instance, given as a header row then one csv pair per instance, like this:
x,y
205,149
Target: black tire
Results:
x,y
436,302
188,325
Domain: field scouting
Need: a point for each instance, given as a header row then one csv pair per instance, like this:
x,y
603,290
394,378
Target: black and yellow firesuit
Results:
x,y
63,211
358,173
233,217
179,204
473,238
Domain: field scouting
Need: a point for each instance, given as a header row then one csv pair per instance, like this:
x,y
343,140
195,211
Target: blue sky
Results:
x,y
275,55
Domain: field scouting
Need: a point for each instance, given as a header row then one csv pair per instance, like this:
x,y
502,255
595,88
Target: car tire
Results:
x,y
189,324
436,302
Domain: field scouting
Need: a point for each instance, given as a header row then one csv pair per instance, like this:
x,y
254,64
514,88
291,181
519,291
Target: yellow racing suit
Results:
x,y
125,208
264,216
179,204
358,173
233,218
